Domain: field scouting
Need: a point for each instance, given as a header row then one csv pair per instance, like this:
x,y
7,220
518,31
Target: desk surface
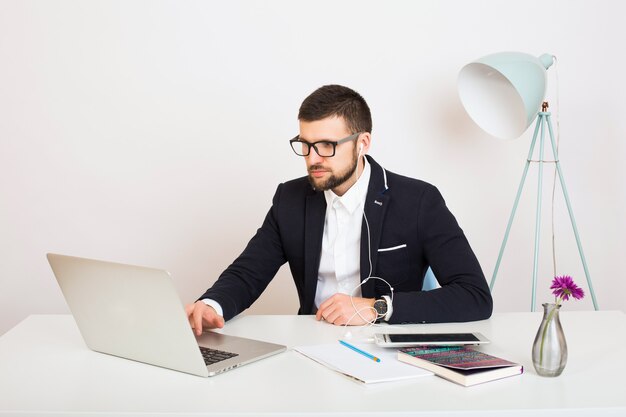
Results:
x,y
45,367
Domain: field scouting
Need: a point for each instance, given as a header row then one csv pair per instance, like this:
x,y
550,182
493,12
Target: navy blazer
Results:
x,y
400,211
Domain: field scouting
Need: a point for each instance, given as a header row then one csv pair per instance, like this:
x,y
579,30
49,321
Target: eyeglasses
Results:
x,y
324,148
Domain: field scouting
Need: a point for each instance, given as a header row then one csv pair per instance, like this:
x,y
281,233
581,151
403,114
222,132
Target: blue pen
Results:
x,y
357,350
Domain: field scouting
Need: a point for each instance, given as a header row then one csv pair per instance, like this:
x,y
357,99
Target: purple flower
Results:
x,y
564,287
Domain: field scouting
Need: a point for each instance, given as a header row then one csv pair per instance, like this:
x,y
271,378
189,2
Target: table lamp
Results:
x,y
503,93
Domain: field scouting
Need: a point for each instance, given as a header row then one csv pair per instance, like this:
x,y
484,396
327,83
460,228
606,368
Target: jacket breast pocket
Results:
x,y
393,263
392,248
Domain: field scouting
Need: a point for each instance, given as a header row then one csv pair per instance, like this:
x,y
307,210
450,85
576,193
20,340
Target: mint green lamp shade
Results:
x,y
503,92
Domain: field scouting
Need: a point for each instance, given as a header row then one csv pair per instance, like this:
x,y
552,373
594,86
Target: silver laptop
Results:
x,y
135,313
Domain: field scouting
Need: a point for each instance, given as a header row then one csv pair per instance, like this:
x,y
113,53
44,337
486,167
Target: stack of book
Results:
x,y
460,364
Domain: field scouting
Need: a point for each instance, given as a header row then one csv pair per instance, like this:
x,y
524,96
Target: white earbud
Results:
x,y
360,149
348,335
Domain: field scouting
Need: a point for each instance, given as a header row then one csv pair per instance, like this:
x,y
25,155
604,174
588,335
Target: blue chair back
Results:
x,y
430,281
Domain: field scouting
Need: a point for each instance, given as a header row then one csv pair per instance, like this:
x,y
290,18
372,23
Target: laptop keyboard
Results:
x,y
212,356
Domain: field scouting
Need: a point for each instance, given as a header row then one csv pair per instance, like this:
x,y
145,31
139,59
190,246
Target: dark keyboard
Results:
x,y
212,356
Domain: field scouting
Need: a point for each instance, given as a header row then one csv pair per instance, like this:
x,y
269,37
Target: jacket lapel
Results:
x,y
375,208
315,213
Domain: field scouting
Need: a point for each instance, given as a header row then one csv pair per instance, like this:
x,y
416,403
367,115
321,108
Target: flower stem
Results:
x,y
545,330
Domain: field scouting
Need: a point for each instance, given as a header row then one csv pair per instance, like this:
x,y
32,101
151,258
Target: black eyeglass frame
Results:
x,y
312,145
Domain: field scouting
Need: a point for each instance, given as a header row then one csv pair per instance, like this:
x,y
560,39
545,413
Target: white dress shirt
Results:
x,y
340,263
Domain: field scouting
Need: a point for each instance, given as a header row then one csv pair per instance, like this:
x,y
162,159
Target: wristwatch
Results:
x,y
384,308
381,307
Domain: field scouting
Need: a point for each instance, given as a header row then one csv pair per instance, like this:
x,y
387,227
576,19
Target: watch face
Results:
x,y
381,307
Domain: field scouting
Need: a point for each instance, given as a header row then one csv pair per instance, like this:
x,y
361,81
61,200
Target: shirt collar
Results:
x,y
355,194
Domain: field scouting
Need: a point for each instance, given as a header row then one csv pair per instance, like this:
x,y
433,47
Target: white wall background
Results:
x,y
155,132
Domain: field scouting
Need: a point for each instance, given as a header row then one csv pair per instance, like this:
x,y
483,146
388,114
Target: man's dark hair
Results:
x,y
337,100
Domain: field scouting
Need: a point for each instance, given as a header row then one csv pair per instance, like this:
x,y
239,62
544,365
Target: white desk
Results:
x,y
45,368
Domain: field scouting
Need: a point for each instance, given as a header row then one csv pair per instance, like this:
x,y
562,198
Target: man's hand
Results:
x,y
202,316
339,310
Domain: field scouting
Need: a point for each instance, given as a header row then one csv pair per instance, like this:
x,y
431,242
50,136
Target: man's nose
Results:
x,y
313,158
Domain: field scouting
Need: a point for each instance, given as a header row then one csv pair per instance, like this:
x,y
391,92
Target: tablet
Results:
x,y
416,339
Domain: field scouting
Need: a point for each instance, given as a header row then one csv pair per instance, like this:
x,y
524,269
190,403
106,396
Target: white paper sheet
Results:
x,y
348,362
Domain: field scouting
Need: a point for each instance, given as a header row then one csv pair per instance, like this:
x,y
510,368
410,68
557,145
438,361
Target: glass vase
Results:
x,y
550,347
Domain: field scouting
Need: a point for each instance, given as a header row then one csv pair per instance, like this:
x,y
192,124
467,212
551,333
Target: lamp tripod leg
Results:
x,y
571,216
515,204
540,121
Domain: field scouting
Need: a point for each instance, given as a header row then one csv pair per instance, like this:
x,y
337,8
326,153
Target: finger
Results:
x,y
211,319
320,311
188,309
319,315
197,319
218,322
327,313
335,317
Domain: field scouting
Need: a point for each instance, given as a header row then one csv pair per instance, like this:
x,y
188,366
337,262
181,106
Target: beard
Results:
x,y
335,180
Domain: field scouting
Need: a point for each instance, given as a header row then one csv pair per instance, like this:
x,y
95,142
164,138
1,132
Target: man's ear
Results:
x,y
364,143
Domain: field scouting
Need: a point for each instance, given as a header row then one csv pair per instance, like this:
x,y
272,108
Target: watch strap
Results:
x,y
389,308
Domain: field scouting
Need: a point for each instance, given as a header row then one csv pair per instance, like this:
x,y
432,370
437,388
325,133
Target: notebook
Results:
x,y
347,362
135,313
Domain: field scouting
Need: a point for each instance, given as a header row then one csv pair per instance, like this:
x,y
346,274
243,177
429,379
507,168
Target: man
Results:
x,y
348,220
